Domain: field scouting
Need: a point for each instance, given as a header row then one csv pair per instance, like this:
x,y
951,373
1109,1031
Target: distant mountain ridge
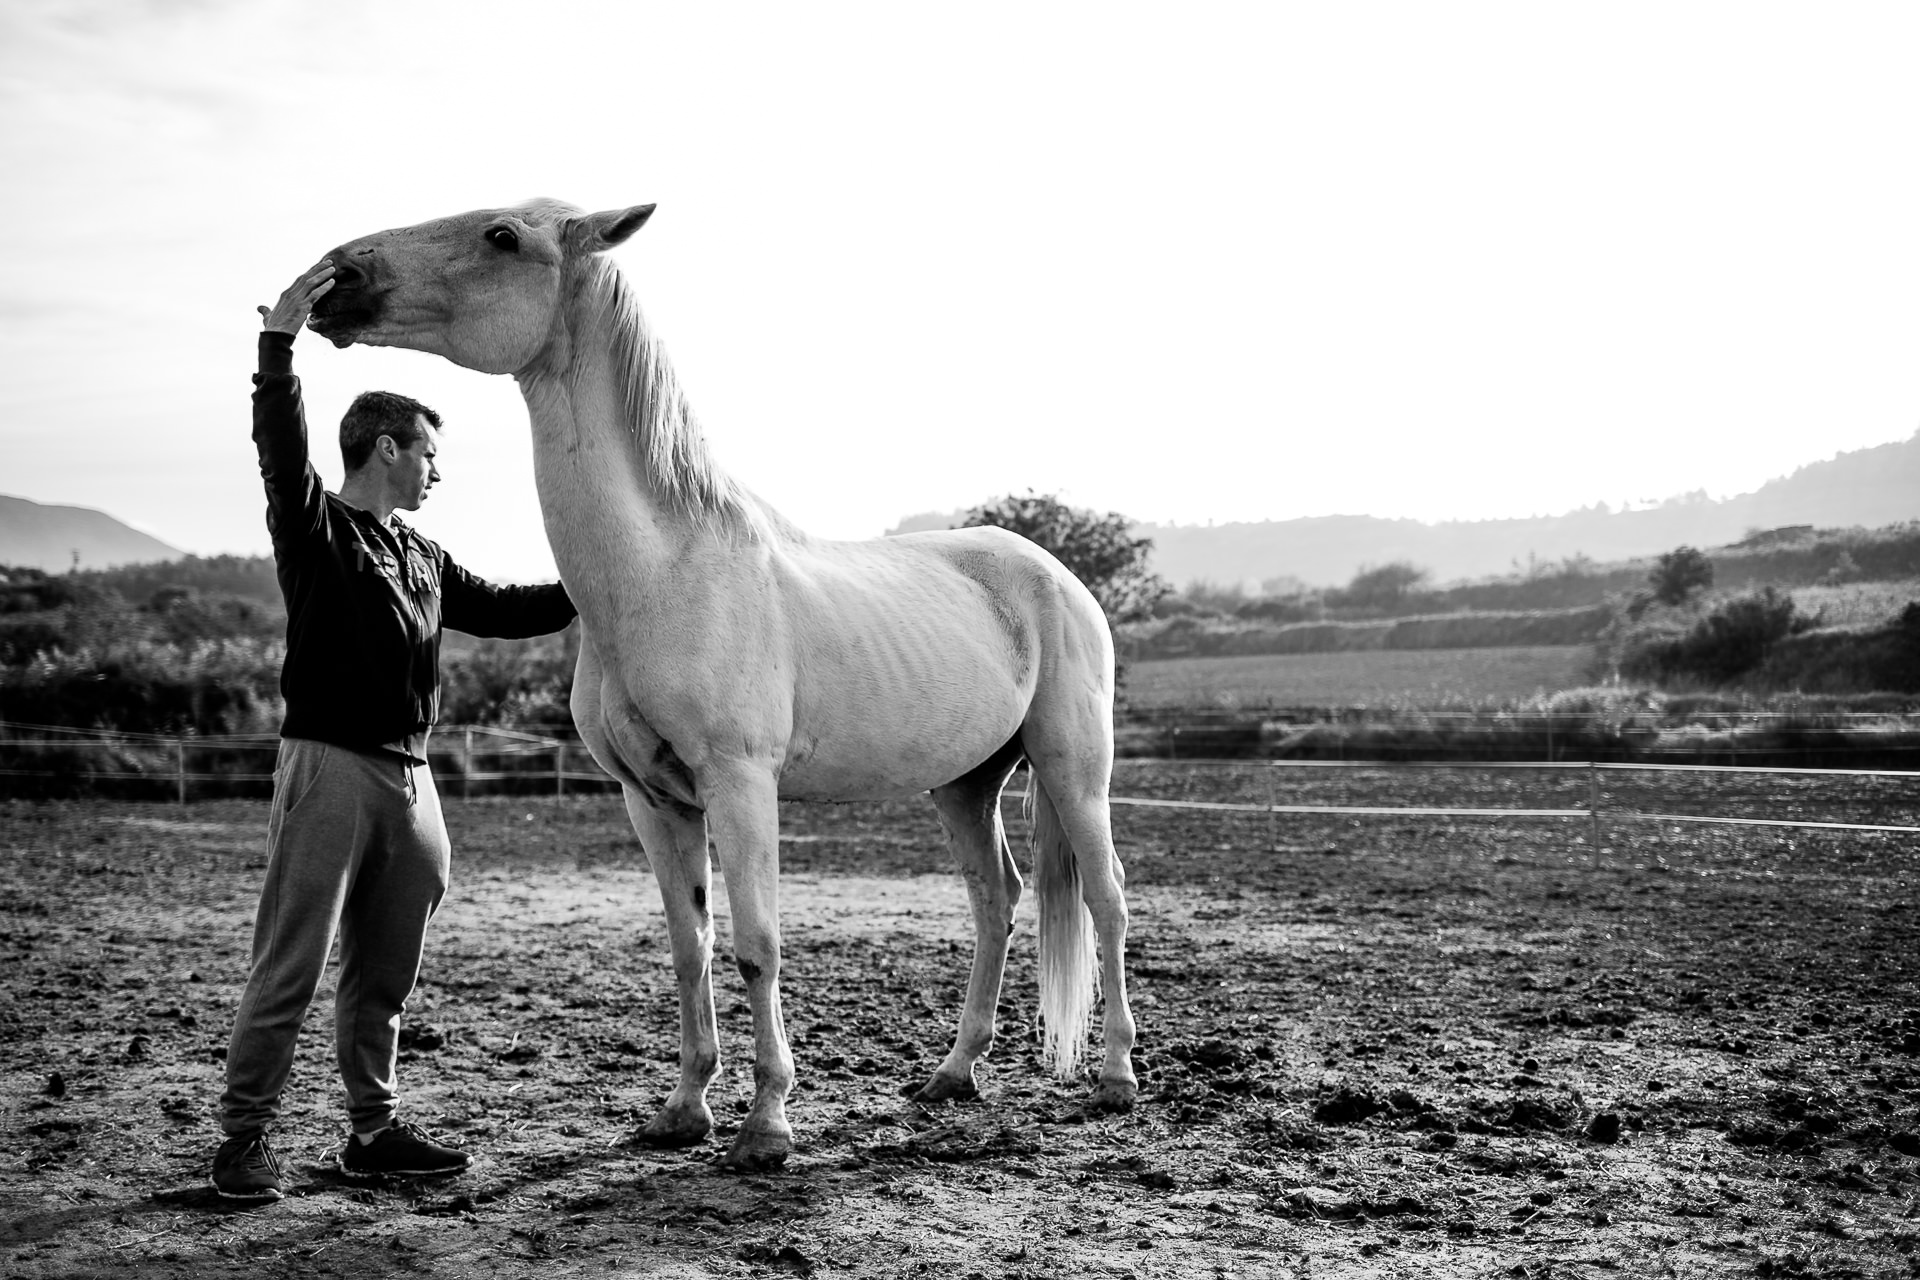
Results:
x,y
38,535
1865,487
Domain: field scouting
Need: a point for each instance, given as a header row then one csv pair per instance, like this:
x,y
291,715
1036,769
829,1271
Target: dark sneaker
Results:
x,y
401,1151
245,1168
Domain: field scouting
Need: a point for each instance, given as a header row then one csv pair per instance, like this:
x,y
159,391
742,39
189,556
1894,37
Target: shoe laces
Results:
x,y
258,1154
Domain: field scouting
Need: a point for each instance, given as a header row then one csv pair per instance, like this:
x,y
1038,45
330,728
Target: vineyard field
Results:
x,y
1379,677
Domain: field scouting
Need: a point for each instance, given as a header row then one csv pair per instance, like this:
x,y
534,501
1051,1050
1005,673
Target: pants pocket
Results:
x,y
300,771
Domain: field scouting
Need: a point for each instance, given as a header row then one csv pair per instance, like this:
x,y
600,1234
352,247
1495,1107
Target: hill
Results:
x,y
37,535
1865,487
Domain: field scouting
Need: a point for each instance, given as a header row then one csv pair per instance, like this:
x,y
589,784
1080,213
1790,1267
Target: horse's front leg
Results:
x,y
675,840
743,815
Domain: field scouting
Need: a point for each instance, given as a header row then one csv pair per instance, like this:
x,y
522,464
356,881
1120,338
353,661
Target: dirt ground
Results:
x,y
1368,1046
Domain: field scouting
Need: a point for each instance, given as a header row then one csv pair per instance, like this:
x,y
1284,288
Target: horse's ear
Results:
x,y
598,232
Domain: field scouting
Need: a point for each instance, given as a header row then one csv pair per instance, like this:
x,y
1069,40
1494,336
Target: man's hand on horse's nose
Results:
x,y
289,314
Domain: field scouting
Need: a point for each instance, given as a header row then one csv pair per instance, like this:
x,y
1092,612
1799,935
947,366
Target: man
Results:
x,y
356,843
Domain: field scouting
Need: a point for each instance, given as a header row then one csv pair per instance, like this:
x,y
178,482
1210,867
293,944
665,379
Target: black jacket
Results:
x,y
365,604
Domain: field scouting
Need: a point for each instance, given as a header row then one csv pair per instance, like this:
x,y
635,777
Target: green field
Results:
x,y
1377,677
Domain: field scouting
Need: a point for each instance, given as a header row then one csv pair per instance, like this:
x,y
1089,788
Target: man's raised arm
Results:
x,y
296,500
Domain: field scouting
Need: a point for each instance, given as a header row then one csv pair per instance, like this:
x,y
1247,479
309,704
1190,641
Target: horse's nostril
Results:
x,y
347,274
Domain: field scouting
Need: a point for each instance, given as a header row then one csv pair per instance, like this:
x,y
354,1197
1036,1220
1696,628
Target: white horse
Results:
x,y
729,660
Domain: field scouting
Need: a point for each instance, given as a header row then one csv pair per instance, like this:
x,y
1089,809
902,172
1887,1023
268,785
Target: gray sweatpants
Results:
x,y
355,844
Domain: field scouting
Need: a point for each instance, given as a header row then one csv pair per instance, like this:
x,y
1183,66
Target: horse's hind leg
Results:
x,y
970,810
1071,767
676,846
1087,819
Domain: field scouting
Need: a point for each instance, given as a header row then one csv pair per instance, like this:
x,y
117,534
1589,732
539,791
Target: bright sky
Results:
x,y
1227,262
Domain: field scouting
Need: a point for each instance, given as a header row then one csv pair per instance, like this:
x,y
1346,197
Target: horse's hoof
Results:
x,y
756,1150
947,1089
669,1129
1114,1096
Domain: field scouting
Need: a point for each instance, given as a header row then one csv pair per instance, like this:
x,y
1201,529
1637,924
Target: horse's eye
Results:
x,y
502,238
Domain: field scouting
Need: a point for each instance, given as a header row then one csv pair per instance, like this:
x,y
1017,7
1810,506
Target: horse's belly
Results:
x,y
836,783
901,748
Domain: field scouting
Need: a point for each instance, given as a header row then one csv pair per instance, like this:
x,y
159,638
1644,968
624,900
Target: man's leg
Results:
x,y
312,846
313,842
383,936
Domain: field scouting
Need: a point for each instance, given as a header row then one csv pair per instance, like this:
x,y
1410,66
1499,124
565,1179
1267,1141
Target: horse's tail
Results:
x,y
1069,977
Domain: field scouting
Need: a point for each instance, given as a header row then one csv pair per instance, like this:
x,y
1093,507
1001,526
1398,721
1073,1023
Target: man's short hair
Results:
x,y
381,413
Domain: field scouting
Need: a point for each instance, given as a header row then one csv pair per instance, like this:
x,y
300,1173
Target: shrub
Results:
x,y
1293,608
22,635
214,687
1679,574
1204,596
184,616
507,682
1719,647
1382,588
24,590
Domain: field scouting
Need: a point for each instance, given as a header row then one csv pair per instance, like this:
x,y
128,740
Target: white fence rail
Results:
x,y
561,762
1594,811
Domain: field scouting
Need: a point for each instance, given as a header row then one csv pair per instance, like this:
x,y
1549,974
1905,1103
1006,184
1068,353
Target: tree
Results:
x,y
1679,573
1100,550
1384,586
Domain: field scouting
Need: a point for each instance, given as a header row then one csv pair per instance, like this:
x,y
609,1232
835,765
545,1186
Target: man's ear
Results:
x,y
387,449
599,232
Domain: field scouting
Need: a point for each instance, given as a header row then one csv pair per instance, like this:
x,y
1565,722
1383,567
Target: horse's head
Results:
x,y
482,289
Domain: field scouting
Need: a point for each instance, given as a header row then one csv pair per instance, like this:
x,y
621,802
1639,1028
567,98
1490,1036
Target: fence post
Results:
x,y
1273,833
180,770
559,769
1593,803
466,764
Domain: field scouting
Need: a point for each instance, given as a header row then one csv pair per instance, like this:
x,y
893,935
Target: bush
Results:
x,y
1679,574
1841,660
1726,643
31,590
22,635
1294,608
185,616
507,682
216,687
1381,588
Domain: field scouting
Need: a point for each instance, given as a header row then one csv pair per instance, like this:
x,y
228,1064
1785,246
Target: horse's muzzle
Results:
x,y
353,303
342,312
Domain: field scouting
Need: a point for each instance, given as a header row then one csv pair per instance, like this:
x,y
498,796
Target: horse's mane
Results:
x,y
665,431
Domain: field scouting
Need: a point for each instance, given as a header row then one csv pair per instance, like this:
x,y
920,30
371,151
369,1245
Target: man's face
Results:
x,y
414,473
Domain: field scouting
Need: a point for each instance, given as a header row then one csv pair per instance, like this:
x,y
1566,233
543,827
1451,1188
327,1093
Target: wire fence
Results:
x,y
476,760
1594,792
469,759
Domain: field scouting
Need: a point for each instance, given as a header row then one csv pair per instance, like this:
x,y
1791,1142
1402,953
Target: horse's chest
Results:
x,y
645,760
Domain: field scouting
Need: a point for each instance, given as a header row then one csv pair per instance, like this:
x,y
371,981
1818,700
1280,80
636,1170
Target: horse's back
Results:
x,y
1004,570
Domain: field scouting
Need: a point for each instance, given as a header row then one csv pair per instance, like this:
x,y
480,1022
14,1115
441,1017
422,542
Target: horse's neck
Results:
x,y
599,494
